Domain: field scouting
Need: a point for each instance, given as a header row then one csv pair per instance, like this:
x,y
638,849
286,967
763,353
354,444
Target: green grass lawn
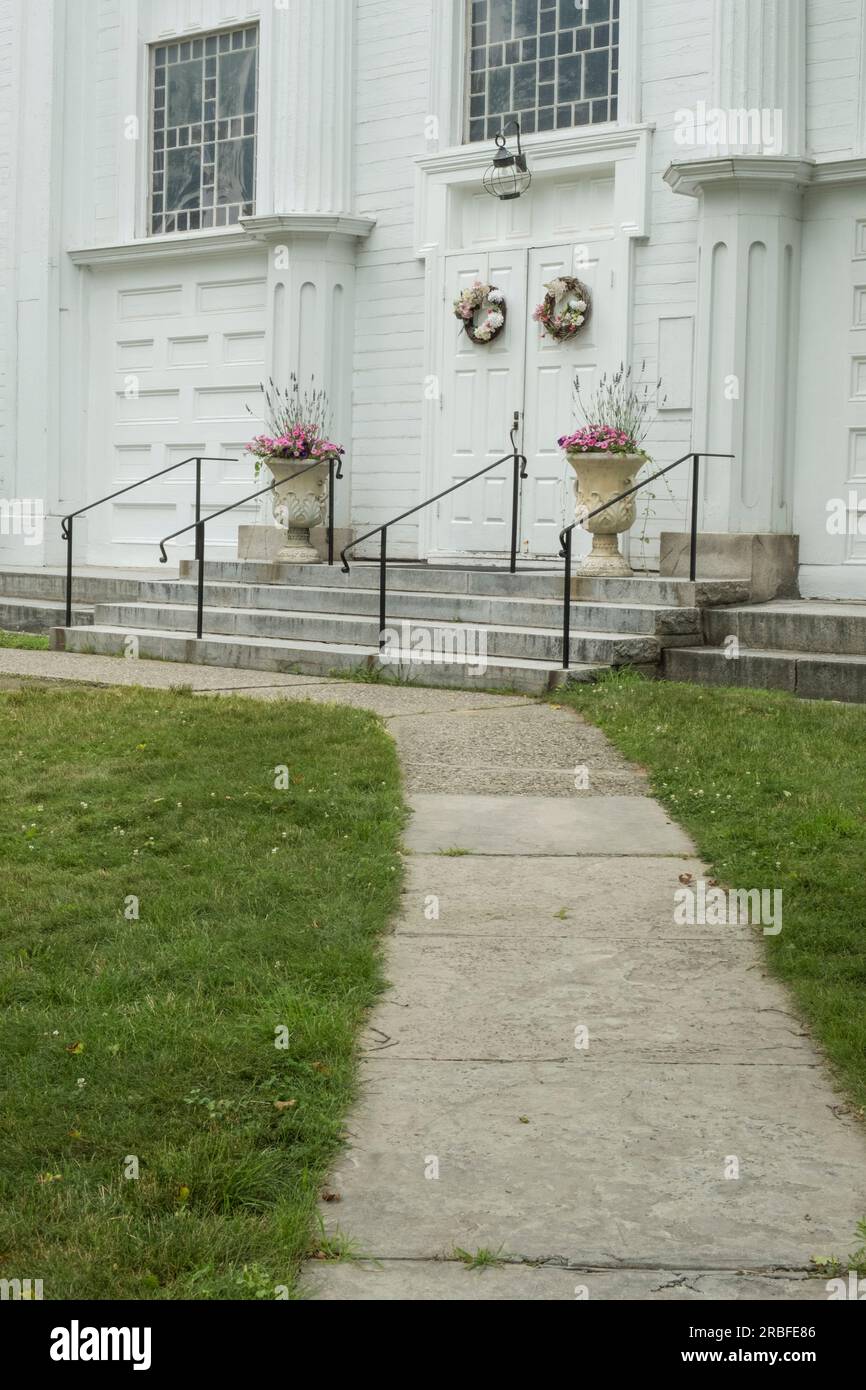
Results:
x,y
773,791
207,1045
26,641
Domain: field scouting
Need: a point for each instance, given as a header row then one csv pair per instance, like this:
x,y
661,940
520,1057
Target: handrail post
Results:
x,y
566,604
197,506
330,511
68,524
383,583
199,551
696,482
515,509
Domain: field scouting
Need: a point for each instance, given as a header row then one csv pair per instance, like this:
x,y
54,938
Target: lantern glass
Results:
x,y
508,176
507,180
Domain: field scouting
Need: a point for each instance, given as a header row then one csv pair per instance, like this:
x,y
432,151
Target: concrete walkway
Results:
x,y
532,911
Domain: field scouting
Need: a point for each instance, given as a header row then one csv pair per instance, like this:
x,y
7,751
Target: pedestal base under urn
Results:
x,y
601,477
300,502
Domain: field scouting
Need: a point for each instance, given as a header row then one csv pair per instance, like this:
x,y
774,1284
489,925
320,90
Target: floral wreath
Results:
x,y
568,322
474,299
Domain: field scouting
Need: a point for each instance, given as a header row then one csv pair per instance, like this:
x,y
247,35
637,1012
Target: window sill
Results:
x,y
156,248
251,234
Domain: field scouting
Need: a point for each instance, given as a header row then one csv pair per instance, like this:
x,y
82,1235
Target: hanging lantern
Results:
x,y
508,176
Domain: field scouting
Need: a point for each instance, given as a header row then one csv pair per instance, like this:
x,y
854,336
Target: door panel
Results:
x,y
526,370
482,387
551,366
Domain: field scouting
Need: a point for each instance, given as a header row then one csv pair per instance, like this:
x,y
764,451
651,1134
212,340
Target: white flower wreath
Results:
x,y
481,297
562,320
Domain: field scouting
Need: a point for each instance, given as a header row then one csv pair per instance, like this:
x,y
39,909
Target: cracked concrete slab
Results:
x,y
625,1162
646,1001
617,899
448,1281
522,825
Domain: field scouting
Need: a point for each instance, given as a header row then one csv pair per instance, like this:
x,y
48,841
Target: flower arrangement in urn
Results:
x,y
299,426
607,454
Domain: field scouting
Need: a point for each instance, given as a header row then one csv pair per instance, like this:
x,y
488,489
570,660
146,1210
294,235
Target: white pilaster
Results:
x,y
34,420
312,84
309,225
311,297
749,177
749,245
759,66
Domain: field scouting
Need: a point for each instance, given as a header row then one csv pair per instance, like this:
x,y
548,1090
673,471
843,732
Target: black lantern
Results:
x,y
508,176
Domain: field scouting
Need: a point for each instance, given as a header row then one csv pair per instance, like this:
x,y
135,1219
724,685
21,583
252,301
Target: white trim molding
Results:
x,y
861,114
692,177
211,242
252,233
588,148
284,226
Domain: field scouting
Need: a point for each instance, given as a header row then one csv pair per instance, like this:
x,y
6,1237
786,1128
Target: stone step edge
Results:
x,y
302,643
414,595
774,654
348,618
211,651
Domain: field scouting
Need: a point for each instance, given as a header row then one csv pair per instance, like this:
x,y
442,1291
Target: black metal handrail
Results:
x,y
67,522
567,535
335,471
519,463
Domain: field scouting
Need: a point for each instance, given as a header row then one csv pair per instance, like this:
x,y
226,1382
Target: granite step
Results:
x,y
304,657
809,675
358,630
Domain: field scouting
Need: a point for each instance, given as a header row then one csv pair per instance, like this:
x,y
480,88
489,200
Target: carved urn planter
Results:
x,y
300,502
601,477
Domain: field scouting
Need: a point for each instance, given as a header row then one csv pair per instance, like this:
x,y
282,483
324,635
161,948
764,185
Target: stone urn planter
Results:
x,y
601,477
300,502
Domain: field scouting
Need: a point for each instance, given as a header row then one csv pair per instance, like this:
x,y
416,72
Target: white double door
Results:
x,y
524,370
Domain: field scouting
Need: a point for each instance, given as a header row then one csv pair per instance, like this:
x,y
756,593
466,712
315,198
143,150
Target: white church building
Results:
x,y
197,195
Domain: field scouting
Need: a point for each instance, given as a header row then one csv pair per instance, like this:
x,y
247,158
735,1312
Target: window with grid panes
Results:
x,y
551,64
203,170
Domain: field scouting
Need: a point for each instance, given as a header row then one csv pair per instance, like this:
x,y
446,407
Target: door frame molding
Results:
x,y
626,151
